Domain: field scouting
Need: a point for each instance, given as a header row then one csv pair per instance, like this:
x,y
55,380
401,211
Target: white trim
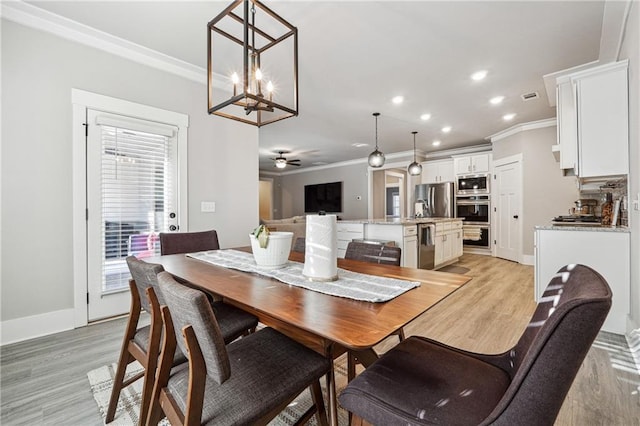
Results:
x,y
507,160
532,125
82,101
43,20
614,26
528,259
25,328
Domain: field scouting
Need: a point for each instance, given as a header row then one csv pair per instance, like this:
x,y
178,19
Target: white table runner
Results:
x,y
353,285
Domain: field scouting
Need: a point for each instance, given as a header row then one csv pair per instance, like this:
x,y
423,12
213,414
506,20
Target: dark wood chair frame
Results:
x,y
131,351
163,402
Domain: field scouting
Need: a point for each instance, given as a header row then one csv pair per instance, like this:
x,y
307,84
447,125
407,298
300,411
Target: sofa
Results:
x,y
295,224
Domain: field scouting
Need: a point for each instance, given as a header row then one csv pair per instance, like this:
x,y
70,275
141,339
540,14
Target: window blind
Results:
x,y
138,193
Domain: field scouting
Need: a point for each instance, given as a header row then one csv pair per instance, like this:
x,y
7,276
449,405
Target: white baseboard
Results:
x,y
25,328
528,259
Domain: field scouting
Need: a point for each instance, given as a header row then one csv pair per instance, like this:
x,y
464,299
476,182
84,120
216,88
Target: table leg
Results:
x,y
332,397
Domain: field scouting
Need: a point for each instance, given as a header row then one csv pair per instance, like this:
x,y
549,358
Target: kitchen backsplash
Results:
x,y
598,190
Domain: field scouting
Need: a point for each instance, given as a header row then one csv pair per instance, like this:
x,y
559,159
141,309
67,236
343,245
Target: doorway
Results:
x,y
129,184
508,208
265,199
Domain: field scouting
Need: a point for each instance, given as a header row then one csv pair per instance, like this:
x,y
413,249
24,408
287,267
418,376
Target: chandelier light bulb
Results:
x,y
269,87
234,78
258,74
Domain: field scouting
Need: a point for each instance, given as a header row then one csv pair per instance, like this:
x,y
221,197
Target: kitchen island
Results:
x,y
446,237
603,248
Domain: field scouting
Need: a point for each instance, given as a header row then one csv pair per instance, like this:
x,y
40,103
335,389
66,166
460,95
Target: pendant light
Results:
x,y
414,168
252,41
376,158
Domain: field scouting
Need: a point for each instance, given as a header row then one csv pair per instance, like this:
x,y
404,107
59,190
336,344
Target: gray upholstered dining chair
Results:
x,y
422,381
247,382
188,242
143,343
300,245
140,344
373,253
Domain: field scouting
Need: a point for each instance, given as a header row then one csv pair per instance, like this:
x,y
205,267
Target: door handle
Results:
x,y
172,228
515,216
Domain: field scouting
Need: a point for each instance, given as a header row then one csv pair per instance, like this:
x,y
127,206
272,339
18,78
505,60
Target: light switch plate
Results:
x,y
208,207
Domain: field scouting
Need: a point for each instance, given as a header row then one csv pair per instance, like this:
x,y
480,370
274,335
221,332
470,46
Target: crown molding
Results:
x,y
43,20
521,128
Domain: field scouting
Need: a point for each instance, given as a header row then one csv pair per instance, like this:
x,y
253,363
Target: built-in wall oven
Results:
x,y
473,184
476,212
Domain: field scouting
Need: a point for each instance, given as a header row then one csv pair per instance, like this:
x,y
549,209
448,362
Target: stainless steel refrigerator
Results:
x,y
435,199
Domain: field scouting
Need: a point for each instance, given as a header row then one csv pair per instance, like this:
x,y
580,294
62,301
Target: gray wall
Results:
x,y
631,50
38,72
546,192
355,183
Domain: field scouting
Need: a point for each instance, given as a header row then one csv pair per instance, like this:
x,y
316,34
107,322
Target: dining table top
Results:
x,y
316,318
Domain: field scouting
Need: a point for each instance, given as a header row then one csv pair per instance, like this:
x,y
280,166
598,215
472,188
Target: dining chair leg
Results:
x,y
318,401
351,366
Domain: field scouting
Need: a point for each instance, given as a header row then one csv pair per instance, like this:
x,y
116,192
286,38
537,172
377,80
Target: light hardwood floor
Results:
x,y
44,381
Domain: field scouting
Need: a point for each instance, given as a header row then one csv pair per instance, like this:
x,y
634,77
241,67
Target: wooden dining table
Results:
x,y
330,325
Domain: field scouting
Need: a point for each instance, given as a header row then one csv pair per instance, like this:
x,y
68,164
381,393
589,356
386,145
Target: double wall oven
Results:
x,y
476,212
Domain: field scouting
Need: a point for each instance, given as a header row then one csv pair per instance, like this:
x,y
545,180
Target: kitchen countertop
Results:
x,y
588,228
407,221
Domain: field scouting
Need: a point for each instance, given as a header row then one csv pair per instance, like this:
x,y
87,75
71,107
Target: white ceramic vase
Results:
x,y
276,254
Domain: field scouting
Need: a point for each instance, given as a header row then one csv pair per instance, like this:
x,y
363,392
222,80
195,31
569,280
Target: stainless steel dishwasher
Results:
x,y
426,245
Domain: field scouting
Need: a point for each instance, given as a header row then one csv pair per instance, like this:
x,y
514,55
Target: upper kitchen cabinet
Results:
x,y
472,164
438,171
593,117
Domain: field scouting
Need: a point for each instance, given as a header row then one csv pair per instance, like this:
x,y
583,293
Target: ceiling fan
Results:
x,y
281,162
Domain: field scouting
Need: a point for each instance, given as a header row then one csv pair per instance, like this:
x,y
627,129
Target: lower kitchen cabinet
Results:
x,y
448,243
345,233
405,236
605,251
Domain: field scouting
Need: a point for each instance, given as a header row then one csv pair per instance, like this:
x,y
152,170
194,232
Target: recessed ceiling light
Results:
x,y
425,117
359,145
496,100
397,99
479,75
436,143
508,117
446,129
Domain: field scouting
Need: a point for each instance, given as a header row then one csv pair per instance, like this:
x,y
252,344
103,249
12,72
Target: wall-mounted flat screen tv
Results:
x,y
323,197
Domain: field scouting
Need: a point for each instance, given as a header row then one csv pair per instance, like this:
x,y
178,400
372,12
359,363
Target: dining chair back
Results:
x,y
188,242
246,382
140,344
373,253
299,245
422,381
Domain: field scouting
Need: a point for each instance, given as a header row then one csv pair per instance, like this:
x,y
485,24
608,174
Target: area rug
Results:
x,y
454,269
101,381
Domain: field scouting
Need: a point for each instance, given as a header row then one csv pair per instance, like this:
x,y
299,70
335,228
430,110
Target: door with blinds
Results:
x,y
131,198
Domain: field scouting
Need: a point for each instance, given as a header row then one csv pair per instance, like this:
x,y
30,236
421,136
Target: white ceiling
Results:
x,y
354,56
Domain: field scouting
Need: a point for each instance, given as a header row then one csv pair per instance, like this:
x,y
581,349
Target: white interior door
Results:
x,y
132,196
508,210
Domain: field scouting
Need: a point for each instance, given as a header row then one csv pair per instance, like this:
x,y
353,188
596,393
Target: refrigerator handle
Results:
x,y
433,200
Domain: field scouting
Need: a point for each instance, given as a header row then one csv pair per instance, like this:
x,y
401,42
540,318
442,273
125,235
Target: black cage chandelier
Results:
x,y
255,55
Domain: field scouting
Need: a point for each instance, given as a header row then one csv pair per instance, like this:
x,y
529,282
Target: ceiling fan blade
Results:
x,y
293,161
293,164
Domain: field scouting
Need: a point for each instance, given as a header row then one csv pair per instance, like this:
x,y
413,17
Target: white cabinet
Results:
x,y
593,116
606,252
567,119
448,243
438,171
472,164
404,236
410,251
603,116
345,233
